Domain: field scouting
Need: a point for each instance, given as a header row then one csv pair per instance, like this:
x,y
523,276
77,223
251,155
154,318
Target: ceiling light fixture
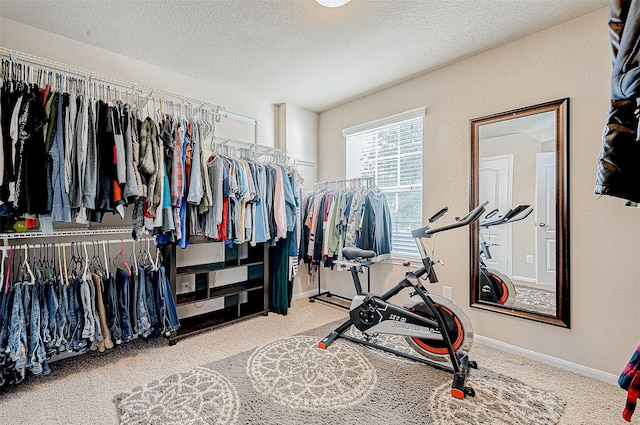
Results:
x,y
332,3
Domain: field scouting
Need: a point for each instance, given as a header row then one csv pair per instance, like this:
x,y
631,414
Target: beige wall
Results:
x,y
570,60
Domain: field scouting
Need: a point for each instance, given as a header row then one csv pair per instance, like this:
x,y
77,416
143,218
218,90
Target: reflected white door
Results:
x,y
546,218
496,174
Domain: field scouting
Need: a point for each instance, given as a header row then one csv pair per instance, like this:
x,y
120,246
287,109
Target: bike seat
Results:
x,y
351,253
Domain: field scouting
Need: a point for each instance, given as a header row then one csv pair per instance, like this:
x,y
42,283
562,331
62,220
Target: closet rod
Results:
x,y
16,56
67,233
87,243
370,181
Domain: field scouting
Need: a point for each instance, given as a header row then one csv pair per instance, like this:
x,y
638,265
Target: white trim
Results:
x,y
393,119
552,361
306,294
524,279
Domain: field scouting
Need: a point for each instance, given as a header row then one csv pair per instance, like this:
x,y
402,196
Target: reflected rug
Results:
x,y
291,381
533,299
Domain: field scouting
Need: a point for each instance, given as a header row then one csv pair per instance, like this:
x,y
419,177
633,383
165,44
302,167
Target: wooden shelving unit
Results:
x,y
233,301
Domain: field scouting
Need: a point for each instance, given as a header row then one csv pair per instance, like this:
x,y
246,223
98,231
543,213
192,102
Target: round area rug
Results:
x,y
198,396
294,372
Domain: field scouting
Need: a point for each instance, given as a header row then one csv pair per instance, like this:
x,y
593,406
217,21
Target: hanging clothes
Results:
x,y
62,309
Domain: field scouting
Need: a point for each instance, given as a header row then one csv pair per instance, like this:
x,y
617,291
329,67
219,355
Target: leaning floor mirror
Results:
x,y
519,247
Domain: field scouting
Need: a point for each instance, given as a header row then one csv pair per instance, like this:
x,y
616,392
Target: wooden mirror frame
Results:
x,y
561,108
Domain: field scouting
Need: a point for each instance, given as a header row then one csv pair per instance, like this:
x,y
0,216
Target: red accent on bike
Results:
x,y
455,344
505,293
457,393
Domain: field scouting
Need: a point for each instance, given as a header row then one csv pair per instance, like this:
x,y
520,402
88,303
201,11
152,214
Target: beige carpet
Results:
x,y
81,390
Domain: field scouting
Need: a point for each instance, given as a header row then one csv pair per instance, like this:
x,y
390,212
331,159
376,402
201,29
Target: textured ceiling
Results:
x,y
296,51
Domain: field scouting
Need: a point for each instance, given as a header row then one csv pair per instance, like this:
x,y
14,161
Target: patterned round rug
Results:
x,y
295,373
194,397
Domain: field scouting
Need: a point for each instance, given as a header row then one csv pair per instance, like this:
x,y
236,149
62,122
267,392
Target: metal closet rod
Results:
x,y
146,92
370,181
67,233
80,244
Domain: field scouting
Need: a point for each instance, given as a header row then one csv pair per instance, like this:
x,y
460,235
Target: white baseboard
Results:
x,y
524,279
552,361
304,294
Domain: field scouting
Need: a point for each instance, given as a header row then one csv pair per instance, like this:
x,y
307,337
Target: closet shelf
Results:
x,y
198,324
211,267
222,291
68,233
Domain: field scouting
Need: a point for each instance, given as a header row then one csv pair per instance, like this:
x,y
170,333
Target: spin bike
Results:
x,y
495,286
421,319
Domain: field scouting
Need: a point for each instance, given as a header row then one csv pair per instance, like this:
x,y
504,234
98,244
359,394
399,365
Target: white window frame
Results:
x,y
382,122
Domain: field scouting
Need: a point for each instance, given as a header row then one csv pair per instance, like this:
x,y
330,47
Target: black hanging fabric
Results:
x,y
619,162
278,277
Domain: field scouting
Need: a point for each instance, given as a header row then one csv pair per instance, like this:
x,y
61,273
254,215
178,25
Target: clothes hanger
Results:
x,y
63,266
133,253
8,279
120,254
26,267
4,255
150,257
106,268
86,263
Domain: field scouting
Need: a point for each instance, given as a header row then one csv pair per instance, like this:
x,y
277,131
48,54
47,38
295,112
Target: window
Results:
x,y
390,151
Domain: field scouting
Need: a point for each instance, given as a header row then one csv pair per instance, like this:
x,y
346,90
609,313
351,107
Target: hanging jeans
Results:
x,y
89,325
166,304
142,311
106,335
18,333
149,276
113,316
98,342
5,320
122,283
37,355
62,337
133,301
76,315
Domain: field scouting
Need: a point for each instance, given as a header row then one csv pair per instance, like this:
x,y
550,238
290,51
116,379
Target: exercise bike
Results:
x,y
495,286
421,320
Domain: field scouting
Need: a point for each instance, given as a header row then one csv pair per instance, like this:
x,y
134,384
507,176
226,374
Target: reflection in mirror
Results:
x,y
519,167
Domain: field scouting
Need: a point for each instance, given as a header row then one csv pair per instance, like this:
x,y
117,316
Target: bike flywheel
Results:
x,y
457,323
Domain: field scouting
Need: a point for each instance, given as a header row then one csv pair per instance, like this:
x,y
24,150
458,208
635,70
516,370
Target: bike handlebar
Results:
x,y
426,231
518,213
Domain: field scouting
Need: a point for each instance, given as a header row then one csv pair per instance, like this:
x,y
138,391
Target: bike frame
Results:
x,y
459,365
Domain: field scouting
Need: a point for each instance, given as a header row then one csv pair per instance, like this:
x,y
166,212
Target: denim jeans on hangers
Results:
x,y
53,305
36,347
122,283
133,301
62,338
76,314
99,339
18,332
113,316
149,276
171,316
5,320
142,311
89,325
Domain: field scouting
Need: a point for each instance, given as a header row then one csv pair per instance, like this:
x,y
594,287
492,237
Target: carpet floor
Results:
x,y
82,390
